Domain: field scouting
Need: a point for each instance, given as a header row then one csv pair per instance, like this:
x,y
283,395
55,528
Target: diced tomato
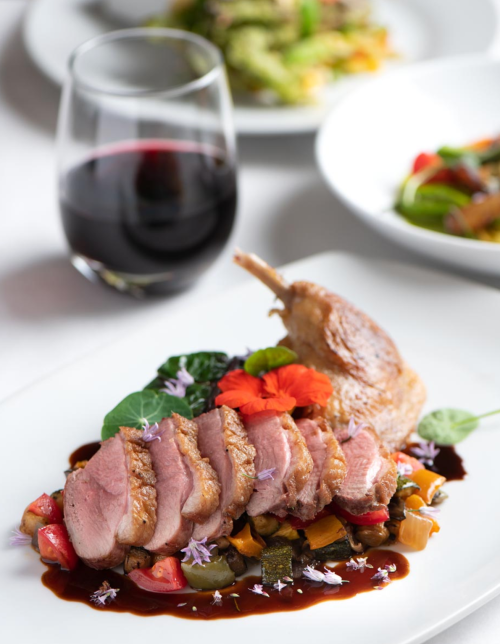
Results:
x,y
164,577
55,546
298,524
369,518
401,457
46,507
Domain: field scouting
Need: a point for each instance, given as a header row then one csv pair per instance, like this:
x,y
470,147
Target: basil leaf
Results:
x,y
447,426
265,360
204,366
147,404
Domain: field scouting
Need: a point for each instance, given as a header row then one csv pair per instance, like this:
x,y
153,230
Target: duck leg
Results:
x,y
266,274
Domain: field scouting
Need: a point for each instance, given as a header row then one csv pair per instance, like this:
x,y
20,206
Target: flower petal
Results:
x,y
307,386
235,398
266,404
241,380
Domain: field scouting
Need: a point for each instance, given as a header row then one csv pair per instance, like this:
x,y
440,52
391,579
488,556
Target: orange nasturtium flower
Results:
x,y
281,389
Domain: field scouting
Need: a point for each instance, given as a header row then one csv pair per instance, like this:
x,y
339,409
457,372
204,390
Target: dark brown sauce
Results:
x,y
84,453
447,463
78,585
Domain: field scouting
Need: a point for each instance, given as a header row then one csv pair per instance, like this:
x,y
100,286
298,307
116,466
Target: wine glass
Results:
x,y
147,159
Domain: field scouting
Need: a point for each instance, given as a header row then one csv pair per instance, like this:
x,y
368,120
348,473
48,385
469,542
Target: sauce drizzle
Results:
x,y
79,584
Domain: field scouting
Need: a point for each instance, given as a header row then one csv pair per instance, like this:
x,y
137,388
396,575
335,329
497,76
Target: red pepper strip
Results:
x,y
425,160
164,577
46,507
369,518
55,546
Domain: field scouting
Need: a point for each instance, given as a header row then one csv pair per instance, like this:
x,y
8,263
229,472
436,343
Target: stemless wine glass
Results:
x,y
147,159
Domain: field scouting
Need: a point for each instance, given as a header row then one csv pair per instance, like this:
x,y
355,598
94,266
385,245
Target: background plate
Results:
x,y
420,30
429,315
419,109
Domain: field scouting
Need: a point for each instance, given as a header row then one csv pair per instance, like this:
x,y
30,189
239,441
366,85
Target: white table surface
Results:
x,y
50,315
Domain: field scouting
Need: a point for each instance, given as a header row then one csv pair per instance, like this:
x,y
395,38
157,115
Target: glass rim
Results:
x,y
141,33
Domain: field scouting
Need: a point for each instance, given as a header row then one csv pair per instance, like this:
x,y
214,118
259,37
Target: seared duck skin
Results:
x,y
371,381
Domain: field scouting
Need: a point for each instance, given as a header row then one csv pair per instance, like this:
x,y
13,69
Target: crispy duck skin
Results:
x,y
371,381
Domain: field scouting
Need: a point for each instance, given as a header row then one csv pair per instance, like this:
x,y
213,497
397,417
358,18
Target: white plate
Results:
x,y
420,29
429,315
367,144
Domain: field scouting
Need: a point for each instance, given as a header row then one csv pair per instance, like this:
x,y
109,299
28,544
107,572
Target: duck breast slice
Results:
x,y
112,499
222,439
329,467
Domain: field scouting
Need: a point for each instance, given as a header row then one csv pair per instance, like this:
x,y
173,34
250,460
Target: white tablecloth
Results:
x,y
50,315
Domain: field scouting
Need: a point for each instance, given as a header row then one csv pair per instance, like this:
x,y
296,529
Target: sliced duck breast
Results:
x,y
281,448
371,476
187,487
111,503
222,439
329,467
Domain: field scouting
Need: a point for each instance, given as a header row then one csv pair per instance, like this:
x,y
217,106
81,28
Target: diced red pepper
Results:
x,y
164,577
55,546
369,518
46,507
401,457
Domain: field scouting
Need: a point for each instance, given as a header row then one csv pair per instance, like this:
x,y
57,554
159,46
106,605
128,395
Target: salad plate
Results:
x,y
453,103
419,30
447,581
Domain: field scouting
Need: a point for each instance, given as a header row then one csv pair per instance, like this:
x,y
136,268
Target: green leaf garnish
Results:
x,y
404,482
148,405
265,360
204,366
310,13
450,426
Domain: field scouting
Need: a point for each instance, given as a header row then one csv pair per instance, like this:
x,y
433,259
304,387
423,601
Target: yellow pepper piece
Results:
x,y
248,544
414,502
429,483
325,531
414,531
287,532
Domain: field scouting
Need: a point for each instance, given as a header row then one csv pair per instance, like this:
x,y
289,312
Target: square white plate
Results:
x,y
446,328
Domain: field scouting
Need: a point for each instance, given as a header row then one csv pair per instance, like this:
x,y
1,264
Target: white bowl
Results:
x,y
368,142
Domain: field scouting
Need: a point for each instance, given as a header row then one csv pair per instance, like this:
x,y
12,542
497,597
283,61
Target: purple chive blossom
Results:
x,y
177,386
217,601
391,568
198,551
313,575
329,577
382,575
104,594
279,585
258,590
181,605
353,429
332,578
428,511
19,538
404,469
288,580
426,452
263,475
150,432
359,564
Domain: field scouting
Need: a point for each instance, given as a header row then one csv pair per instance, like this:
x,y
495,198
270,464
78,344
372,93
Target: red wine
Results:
x,y
151,207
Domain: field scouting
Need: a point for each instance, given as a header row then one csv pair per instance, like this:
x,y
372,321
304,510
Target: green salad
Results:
x,y
285,51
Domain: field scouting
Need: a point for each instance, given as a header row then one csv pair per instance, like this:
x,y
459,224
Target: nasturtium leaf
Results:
x,y
156,383
147,404
204,366
265,360
447,426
